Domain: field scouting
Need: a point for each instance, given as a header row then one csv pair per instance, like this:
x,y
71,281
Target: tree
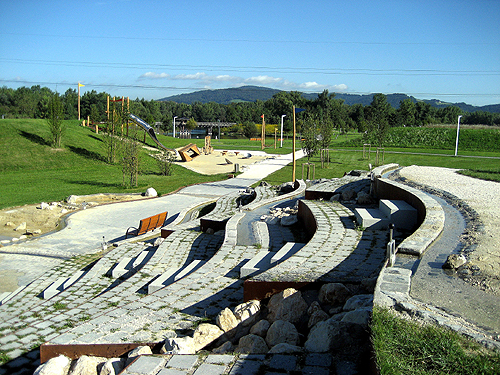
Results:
x,y
310,137
380,112
407,112
55,120
249,129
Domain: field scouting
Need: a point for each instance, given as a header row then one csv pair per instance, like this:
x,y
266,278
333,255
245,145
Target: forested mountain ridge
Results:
x,y
254,93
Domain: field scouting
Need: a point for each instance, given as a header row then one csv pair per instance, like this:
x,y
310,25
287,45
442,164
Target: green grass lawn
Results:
x,y
32,171
405,347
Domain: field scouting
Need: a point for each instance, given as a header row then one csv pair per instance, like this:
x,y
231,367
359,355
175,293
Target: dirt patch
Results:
x,y
44,218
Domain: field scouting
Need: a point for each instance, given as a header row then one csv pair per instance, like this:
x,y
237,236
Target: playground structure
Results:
x,y
150,131
208,149
188,152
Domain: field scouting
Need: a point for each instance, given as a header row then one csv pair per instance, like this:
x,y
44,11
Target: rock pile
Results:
x,y
333,319
286,216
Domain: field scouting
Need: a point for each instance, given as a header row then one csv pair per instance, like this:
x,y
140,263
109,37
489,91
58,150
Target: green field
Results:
x,y
32,171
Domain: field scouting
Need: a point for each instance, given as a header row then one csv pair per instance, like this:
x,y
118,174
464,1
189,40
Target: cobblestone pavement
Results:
x,y
99,308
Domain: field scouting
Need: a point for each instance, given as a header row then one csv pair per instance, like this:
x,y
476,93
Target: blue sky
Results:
x,y
447,50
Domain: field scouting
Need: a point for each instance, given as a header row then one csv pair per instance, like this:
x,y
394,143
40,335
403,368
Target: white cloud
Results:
x,y
152,75
206,81
263,80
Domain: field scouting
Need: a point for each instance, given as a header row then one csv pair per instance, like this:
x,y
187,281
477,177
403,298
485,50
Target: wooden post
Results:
x,y
78,101
107,108
293,146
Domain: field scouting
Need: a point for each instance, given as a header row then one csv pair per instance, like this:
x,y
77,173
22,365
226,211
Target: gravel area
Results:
x,y
479,202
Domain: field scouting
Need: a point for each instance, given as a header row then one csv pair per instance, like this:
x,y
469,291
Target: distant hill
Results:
x,y
254,93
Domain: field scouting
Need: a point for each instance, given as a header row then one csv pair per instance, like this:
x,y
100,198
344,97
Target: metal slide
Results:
x,y
150,131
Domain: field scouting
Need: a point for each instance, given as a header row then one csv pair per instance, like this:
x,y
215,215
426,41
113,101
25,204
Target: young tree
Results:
x,y
310,137
55,120
130,161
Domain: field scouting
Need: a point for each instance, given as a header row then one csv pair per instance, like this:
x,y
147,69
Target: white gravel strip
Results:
x,y
482,196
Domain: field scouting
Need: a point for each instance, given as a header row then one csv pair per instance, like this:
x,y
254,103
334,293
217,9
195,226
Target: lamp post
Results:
x,y
174,126
281,143
458,131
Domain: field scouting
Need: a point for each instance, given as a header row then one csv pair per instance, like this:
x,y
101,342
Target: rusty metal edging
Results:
x,y
74,351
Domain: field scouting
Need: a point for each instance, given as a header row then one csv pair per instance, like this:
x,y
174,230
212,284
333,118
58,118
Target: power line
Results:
x,y
154,87
264,41
242,69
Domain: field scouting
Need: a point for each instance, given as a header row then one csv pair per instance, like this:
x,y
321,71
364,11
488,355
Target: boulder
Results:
x,y
286,305
113,366
348,195
316,317
247,312
150,192
44,206
227,347
282,332
54,366
260,328
179,345
140,350
331,335
334,293
359,316
315,306
205,334
358,301
335,198
226,320
454,261
364,198
287,221
252,344
86,365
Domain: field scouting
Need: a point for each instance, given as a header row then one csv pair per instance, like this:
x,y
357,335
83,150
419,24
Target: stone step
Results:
x,y
122,267
402,214
55,288
71,280
6,296
173,274
260,262
289,249
371,218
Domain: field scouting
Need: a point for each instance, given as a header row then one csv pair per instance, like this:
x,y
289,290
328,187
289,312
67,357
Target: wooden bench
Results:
x,y
147,224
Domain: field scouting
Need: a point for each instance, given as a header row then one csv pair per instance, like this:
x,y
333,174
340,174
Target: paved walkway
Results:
x,y
86,228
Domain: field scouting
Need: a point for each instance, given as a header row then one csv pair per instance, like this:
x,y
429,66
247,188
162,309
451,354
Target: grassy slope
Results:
x,y
32,171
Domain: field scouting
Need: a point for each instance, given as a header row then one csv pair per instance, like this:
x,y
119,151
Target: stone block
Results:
x,y
260,262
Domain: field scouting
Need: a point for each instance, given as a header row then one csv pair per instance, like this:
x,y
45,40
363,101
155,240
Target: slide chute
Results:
x,y
149,129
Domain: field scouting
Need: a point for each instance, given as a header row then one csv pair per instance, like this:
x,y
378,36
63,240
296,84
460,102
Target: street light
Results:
x,y
174,126
281,142
458,131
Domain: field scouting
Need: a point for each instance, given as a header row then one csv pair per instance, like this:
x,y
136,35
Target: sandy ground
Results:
x,y
217,161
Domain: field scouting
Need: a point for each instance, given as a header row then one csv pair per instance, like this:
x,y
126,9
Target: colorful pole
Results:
x,y
79,85
293,146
